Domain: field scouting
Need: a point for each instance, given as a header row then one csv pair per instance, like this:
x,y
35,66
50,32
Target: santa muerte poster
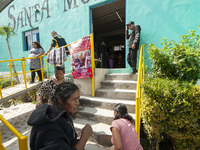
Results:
x,y
80,54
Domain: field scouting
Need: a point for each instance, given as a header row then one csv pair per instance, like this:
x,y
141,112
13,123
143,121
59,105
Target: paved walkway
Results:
x,y
19,89
18,116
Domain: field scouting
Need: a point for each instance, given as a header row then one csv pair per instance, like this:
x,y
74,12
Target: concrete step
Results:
x,y
101,132
88,146
121,76
119,84
100,102
94,146
18,116
116,93
97,114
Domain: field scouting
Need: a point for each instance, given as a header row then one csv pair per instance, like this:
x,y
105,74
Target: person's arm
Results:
x,y
41,93
67,51
86,133
66,48
53,44
136,40
137,36
39,101
127,35
117,138
66,79
50,48
41,53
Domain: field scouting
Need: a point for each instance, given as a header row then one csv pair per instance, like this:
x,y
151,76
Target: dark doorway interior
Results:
x,y
109,26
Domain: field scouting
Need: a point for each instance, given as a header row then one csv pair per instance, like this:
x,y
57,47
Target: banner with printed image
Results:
x,y
80,55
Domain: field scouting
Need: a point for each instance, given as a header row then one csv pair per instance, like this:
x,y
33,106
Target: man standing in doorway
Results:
x,y
103,51
134,42
57,41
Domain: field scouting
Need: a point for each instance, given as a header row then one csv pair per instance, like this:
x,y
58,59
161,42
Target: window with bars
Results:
x,y
29,37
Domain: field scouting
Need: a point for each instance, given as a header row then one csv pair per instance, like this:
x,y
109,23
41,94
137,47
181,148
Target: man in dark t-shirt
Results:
x,y
57,41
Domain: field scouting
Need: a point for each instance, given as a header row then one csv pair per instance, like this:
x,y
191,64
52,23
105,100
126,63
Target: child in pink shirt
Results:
x,y
124,136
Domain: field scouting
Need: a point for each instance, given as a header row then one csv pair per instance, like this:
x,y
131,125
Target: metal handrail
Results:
x,y
140,80
22,140
42,68
1,145
23,65
0,93
92,62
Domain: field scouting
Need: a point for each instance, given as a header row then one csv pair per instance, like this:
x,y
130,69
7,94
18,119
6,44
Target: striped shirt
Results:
x,y
57,56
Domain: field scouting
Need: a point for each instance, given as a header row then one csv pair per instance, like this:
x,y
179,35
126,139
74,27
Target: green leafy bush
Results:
x,y
6,82
172,107
179,60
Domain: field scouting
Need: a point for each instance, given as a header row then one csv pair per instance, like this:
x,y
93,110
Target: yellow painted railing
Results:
x,y
0,93
1,145
22,140
140,80
24,72
92,60
23,68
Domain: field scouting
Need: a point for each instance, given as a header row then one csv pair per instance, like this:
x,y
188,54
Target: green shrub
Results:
x,y
172,107
34,102
32,94
6,82
179,60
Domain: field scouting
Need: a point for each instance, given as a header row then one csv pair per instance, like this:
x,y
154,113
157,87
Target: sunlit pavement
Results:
x,y
18,116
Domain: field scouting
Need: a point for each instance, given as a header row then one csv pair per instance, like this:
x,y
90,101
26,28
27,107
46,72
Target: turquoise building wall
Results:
x,y
71,19
162,18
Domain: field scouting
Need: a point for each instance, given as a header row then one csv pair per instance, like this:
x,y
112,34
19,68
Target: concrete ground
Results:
x,y
18,116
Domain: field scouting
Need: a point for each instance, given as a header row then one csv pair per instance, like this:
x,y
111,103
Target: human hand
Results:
x,y
36,56
127,28
46,53
39,103
87,131
133,46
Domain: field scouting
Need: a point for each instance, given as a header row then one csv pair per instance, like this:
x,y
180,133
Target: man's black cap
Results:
x,y
129,23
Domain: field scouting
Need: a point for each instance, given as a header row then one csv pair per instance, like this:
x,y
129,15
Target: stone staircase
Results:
x,y
98,111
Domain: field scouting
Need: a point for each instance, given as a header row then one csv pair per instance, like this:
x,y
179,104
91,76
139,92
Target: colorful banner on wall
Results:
x,y
80,54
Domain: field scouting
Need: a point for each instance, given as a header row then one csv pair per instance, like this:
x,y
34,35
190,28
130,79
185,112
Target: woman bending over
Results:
x,y
124,136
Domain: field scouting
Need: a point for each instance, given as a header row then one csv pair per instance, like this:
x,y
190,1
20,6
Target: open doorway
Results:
x,y
108,26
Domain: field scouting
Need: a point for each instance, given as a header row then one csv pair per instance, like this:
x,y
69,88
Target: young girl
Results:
x,y
34,64
124,136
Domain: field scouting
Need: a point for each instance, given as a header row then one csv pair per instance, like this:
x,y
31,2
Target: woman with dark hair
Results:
x,y
124,136
53,127
49,86
34,64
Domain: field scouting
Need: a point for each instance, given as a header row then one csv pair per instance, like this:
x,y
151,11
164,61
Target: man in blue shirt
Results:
x,y
57,41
